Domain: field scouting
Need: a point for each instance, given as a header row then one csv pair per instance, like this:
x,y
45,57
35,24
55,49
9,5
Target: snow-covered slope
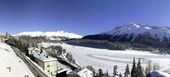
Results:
x,y
50,34
132,31
136,29
11,65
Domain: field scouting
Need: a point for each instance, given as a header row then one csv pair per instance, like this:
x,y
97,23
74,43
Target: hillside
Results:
x,y
11,65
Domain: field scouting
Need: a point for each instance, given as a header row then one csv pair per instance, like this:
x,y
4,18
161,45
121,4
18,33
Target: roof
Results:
x,y
43,56
85,73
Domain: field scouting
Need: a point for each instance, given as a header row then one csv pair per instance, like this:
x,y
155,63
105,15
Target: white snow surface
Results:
x,y
8,59
106,59
136,29
50,34
157,73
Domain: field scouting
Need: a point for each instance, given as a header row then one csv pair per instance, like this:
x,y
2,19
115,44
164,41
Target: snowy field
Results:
x,y
11,65
106,59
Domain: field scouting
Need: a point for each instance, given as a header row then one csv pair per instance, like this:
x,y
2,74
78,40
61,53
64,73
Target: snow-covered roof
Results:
x,y
85,73
41,56
159,74
67,70
44,57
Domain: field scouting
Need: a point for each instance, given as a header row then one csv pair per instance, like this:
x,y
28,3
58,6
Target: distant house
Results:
x,y
82,73
48,63
85,73
4,37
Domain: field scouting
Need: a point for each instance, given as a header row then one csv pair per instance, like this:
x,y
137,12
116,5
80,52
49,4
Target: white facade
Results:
x,y
51,67
48,63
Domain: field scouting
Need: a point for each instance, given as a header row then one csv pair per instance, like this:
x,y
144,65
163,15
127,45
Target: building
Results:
x,y
85,73
82,73
4,37
48,63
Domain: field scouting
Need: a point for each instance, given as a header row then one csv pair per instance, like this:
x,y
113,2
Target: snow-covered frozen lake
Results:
x,y
106,59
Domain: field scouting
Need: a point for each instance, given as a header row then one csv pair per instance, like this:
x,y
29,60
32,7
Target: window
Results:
x,y
48,65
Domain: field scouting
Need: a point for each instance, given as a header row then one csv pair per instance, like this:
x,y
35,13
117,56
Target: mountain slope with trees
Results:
x,y
134,36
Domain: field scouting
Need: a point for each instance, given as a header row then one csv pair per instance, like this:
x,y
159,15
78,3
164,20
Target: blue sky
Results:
x,y
80,16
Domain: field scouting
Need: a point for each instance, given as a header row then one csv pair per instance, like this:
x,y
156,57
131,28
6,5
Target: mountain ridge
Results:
x,y
133,31
50,34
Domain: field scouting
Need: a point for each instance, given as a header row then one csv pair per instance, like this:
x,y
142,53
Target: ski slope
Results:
x,y
11,65
106,59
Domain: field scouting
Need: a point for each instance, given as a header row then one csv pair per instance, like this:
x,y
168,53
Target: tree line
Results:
x,y
136,71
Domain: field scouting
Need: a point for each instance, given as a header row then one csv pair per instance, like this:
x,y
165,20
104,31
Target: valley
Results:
x,y
106,59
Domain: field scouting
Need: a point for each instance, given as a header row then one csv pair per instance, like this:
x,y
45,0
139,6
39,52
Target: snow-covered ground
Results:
x,y
106,59
157,73
11,65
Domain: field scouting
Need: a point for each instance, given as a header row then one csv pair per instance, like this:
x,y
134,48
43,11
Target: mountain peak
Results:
x,y
134,25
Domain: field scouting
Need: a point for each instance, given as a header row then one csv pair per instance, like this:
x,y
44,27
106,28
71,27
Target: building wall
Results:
x,y
2,39
51,67
40,63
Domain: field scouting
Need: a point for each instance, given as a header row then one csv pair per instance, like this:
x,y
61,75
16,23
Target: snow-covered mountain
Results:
x,y
58,35
134,32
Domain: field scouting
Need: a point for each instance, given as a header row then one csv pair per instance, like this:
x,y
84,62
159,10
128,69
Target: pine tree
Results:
x,y
156,66
148,69
147,72
120,75
139,69
100,73
133,71
107,73
127,71
115,72
91,69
